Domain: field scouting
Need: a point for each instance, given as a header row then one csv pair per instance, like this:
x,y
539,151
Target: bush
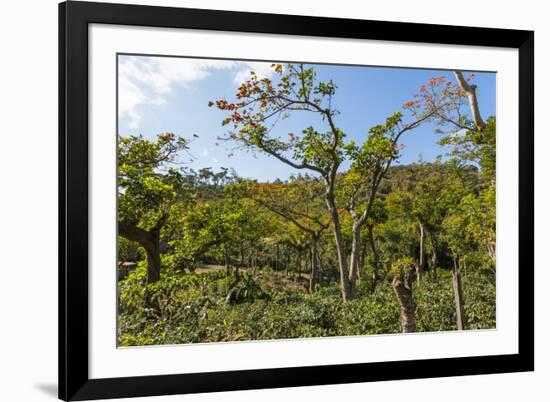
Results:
x,y
190,308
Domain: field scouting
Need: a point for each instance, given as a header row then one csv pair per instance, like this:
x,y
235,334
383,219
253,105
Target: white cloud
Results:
x,y
262,70
458,134
129,96
148,80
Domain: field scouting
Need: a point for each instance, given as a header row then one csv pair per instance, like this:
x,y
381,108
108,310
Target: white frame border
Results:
x,y
108,361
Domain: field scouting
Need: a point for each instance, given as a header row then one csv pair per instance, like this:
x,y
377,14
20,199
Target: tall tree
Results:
x,y
261,103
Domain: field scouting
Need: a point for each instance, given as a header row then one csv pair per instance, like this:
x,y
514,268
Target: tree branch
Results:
x,y
472,99
283,159
134,233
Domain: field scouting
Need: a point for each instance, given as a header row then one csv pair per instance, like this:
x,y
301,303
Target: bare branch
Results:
x,y
472,99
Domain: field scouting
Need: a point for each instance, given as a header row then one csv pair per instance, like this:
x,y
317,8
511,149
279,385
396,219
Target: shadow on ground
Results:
x,y
48,389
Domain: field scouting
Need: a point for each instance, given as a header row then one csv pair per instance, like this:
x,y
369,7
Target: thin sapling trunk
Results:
x,y
458,296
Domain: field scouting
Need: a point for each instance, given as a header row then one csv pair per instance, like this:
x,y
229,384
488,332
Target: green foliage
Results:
x,y
246,290
236,254
195,308
401,267
128,250
147,185
476,146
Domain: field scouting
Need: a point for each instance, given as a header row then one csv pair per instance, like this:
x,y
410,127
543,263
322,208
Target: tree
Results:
x,y
215,215
472,139
426,195
147,188
470,91
195,231
455,236
370,163
377,217
298,202
479,213
261,103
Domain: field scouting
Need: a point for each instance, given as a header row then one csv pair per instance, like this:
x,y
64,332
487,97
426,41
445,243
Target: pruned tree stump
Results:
x,y
404,275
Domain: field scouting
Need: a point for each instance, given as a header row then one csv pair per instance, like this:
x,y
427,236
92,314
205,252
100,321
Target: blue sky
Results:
x,y
166,94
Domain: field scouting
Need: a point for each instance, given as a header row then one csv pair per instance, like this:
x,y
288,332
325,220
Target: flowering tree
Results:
x,y
261,103
471,137
297,201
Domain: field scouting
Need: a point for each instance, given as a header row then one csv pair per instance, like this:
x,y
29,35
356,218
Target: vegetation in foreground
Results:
x,y
195,308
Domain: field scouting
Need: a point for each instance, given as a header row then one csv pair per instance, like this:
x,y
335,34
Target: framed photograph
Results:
x,y
258,201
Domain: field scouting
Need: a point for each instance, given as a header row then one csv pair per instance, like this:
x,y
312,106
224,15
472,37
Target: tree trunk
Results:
x,y
420,255
340,250
375,272
241,251
254,260
358,276
362,259
320,269
149,240
470,91
288,259
276,256
435,259
153,261
402,286
354,259
226,261
458,295
314,266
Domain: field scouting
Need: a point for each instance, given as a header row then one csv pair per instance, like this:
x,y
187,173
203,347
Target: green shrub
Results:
x,y
192,308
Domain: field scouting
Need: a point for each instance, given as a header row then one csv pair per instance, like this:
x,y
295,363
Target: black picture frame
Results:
x,y
74,381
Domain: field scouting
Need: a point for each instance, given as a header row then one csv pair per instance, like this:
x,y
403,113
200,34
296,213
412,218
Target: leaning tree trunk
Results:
x,y
470,91
403,287
342,264
342,260
458,296
150,241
